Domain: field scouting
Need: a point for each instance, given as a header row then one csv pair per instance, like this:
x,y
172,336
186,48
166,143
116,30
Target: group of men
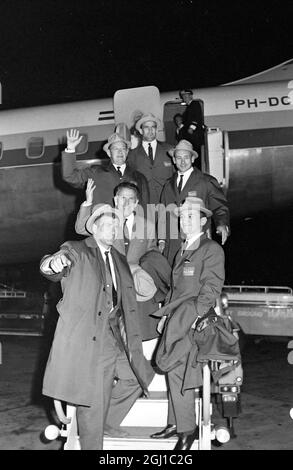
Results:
x,y
131,269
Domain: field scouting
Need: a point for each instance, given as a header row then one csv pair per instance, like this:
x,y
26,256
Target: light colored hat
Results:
x,y
143,283
146,118
191,205
114,139
98,210
183,145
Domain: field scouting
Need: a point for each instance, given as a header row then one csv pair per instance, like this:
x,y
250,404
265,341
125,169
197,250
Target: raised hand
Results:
x,y
73,139
90,187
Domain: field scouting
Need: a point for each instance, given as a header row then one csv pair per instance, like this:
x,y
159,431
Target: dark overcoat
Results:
x,y
74,366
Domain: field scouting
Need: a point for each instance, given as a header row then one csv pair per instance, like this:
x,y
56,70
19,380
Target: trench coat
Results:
x,y
197,280
73,368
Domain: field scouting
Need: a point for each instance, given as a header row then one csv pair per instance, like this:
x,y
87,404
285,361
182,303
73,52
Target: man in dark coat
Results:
x,y
150,156
189,179
197,280
107,177
98,335
193,120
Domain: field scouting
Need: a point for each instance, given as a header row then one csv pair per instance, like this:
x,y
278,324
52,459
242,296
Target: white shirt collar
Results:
x,y
122,167
185,175
103,249
153,144
193,239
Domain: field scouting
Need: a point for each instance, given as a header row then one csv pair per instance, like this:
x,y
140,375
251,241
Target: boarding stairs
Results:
x,y
147,415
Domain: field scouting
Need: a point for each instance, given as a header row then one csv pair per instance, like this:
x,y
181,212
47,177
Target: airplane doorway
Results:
x,y
172,109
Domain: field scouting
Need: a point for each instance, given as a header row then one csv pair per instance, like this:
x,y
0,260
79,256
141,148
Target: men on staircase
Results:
x,y
151,272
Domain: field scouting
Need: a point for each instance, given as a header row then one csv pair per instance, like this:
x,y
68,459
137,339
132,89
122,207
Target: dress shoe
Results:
x,y
168,431
114,432
185,440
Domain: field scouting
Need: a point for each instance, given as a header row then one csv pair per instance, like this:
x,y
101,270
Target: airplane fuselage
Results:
x,y
38,209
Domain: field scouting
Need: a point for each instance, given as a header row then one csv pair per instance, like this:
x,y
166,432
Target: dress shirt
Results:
x,y
102,250
122,167
129,224
190,241
186,175
146,147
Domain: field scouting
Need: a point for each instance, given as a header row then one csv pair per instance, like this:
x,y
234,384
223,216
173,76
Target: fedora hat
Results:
x,y
146,118
114,139
143,283
98,210
191,205
183,145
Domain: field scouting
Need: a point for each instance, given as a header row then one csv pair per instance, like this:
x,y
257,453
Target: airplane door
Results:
x,y
216,155
131,103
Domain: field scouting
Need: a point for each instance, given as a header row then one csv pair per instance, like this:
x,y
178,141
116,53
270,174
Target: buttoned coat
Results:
x,y
74,367
156,173
197,280
208,189
105,178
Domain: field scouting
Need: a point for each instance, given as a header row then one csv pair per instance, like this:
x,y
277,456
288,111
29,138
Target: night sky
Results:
x,y
59,51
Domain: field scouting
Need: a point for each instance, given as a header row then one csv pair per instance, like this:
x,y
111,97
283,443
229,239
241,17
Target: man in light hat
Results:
x,y
136,239
150,156
97,337
105,177
193,120
197,280
190,180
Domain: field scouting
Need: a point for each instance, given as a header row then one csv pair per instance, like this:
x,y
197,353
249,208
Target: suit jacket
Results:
x,y
105,177
208,189
157,172
197,280
73,367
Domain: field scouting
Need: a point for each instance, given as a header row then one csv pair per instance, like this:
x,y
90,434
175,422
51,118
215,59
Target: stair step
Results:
x,y
148,412
139,440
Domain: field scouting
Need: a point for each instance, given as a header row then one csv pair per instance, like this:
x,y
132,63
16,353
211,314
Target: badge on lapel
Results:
x,y
188,270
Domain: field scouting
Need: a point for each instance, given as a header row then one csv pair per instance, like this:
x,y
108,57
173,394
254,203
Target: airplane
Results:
x,y
250,152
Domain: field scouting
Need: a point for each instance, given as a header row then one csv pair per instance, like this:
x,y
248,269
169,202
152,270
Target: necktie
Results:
x,y
183,247
119,172
180,184
150,153
114,292
126,236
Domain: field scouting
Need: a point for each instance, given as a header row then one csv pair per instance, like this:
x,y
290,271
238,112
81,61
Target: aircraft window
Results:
x,y
1,150
83,145
35,147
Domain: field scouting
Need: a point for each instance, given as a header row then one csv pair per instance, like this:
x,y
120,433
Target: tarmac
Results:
x,y
266,397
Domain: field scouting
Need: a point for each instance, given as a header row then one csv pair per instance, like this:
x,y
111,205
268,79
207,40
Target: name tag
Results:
x,y
188,270
167,163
